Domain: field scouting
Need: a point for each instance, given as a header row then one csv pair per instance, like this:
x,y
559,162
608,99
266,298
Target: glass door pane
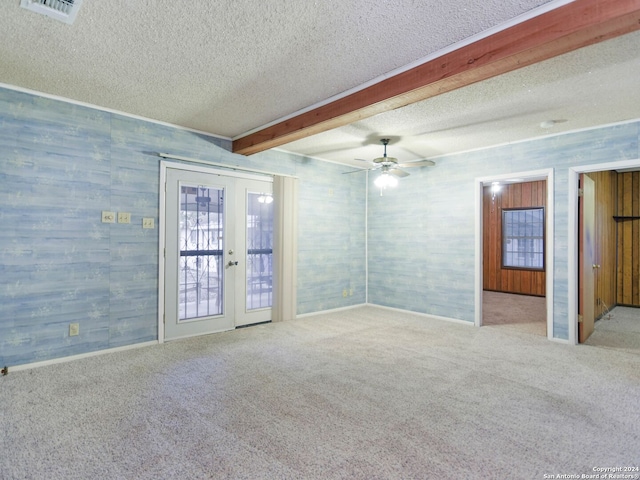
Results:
x,y
201,240
259,250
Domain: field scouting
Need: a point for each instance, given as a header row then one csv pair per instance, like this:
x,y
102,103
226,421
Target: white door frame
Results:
x,y
518,177
572,244
164,165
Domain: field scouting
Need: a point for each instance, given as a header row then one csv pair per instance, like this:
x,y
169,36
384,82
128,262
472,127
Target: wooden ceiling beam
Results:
x,y
562,30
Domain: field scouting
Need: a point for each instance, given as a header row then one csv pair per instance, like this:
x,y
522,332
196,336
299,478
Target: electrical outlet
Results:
x,y
108,217
124,217
344,292
74,329
148,223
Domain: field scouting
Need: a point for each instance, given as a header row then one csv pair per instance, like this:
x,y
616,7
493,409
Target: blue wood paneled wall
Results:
x,y
61,164
422,235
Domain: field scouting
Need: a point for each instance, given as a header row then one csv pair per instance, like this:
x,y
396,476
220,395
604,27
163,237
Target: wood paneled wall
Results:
x,y
496,278
606,193
628,239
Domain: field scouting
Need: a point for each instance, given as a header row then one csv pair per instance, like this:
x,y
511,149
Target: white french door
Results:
x,y
218,235
254,242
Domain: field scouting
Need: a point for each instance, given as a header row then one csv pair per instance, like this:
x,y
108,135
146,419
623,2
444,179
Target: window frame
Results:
x,y
504,237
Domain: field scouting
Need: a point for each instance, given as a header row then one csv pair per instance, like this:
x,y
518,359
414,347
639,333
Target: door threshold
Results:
x,y
252,324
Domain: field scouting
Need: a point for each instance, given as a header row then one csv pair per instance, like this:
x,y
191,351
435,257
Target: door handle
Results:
x,y
232,263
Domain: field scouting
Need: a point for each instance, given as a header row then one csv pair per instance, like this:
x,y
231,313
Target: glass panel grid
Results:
x,y
523,238
201,227
259,255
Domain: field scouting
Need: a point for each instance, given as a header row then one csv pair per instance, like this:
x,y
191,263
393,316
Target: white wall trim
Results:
x,y
162,214
535,138
572,243
109,110
425,315
549,6
332,310
80,356
543,174
478,253
230,170
212,170
366,238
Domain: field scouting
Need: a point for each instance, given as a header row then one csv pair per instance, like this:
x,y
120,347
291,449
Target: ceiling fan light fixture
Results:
x,y
385,180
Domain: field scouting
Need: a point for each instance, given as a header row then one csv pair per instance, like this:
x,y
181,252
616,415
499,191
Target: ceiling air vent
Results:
x,y
63,10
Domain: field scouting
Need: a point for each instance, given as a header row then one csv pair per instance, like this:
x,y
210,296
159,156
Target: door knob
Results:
x,y
231,263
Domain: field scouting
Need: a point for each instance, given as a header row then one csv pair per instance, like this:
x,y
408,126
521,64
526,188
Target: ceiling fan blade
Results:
x,y
418,163
355,171
396,172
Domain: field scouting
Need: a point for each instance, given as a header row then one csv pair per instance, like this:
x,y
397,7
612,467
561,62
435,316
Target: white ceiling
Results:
x,y
229,67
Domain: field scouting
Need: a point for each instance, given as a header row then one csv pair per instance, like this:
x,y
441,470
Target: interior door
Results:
x,y
586,265
208,228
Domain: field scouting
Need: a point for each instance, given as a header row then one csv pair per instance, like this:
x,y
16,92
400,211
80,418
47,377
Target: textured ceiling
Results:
x,y
229,67
592,86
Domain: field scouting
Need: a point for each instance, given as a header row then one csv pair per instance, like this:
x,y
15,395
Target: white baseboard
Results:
x,y
426,315
333,310
71,358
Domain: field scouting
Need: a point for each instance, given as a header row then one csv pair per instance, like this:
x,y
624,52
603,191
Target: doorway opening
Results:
x,y
514,251
609,309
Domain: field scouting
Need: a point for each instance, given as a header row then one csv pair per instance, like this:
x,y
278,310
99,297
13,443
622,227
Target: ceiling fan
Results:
x,y
390,167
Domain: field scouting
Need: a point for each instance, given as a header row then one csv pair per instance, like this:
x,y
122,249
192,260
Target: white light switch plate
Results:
x,y
108,217
148,223
124,217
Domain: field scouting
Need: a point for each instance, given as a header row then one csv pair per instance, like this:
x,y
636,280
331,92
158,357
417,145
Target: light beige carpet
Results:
x,y
366,393
522,313
619,329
